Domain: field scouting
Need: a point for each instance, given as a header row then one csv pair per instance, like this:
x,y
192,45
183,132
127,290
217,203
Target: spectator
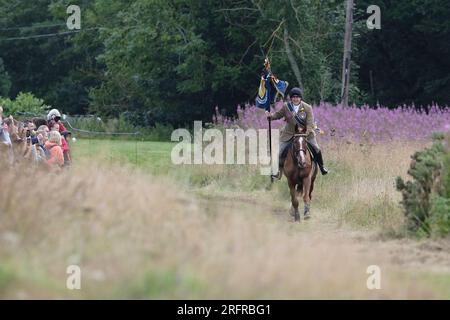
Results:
x,y
42,136
67,157
55,116
4,129
39,122
5,141
5,138
55,126
22,143
54,146
41,153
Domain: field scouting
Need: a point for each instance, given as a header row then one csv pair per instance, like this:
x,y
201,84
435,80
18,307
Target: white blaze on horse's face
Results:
x,y
301,158
302,153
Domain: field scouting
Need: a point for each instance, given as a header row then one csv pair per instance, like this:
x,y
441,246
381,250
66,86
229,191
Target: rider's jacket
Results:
x,y
304,111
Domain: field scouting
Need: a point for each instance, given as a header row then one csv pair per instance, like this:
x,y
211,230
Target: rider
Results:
x,y
305,112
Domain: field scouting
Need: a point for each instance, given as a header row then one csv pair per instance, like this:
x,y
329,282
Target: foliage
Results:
x,y
440,211
355,124
405,56
440,216
425,198
25,102
5,80
172,61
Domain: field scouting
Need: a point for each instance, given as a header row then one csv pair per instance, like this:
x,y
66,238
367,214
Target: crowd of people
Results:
x,y
38,141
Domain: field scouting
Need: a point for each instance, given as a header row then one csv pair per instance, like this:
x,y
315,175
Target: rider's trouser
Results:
x,y
313,142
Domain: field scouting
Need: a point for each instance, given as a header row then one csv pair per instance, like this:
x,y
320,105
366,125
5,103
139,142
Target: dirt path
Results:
x,y
420,255
413,254
405,260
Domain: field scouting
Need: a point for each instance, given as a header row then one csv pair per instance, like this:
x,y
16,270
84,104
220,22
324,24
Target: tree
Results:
x,y
5,80
407,56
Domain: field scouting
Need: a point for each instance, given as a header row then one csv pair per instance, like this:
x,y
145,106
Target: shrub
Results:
x,y
426,198
25,102
160,132
440,210
440,216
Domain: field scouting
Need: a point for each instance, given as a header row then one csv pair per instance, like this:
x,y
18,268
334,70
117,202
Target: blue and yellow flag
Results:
x,y
269,88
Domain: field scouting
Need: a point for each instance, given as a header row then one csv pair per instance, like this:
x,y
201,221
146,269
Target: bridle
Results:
x,y
299,135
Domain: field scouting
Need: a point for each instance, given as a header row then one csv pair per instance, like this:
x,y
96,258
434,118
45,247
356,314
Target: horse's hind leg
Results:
x,y
311,188
306,196
294,201
312,182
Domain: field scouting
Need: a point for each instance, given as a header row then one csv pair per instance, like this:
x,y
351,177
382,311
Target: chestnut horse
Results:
x,y
300,171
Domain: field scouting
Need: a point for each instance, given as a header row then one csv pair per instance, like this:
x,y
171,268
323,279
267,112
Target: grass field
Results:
x,y
140,227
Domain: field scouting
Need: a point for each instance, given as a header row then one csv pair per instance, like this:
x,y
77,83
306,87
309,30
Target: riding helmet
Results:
x,y
53,114
296,92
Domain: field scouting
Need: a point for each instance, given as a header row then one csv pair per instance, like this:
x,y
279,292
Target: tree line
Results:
x,y
173,61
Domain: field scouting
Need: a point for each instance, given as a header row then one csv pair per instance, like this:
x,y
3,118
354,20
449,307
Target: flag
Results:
x,y
269,89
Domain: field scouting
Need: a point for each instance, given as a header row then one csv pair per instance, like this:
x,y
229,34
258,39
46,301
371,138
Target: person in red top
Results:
x,y
55,115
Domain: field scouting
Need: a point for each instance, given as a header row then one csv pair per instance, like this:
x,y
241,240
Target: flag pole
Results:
x,y
270,146
267,67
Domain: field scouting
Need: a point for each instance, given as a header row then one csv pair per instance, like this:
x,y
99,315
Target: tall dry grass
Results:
x,y
137,235
361,190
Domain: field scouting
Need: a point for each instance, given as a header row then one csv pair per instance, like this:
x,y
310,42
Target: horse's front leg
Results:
x,y
294,201
306,196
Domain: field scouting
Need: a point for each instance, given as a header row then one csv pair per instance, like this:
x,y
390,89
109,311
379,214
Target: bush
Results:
x,y
160,132
440,216
440,211
25,102
426,199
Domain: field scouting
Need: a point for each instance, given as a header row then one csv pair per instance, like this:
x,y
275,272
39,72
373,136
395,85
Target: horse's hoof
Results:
x,y
297,217
307,216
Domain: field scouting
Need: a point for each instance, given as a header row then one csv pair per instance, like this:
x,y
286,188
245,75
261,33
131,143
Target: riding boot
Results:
x,y
319,159
279,174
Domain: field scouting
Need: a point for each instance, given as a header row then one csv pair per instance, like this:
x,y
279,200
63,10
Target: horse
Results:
x,y
300,170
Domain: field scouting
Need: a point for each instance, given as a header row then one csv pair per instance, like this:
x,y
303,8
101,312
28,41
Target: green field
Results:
x,y
140,227
148,155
